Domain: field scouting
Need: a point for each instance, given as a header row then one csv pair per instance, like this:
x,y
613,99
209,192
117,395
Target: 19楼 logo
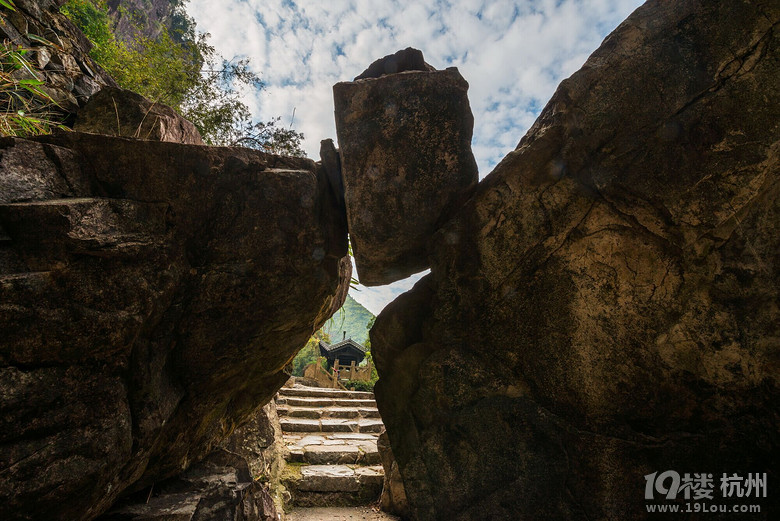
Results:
x,y
670,485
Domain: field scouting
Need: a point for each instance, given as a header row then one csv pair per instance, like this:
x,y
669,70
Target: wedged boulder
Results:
x,y
151,295
405,145
124,113
605,305
408,59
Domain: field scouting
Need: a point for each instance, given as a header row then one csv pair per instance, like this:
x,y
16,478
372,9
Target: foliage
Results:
x,y
180,69
374,375
159,68
8,4
25,108
359,385
214,105
369,325
310,353
369,356
352,318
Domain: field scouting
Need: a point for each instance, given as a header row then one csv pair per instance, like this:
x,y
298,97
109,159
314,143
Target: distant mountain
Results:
x,y
352,318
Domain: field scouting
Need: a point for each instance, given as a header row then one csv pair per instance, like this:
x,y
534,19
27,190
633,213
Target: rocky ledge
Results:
x,y
151,295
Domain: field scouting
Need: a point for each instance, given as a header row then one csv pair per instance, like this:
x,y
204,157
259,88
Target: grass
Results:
x,y
25,108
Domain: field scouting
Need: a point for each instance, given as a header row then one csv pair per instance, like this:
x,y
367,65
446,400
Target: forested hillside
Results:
x,y
352,318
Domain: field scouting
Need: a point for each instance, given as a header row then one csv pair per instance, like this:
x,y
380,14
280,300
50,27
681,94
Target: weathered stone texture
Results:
x,y
605,306
236,482
408,59
219,487
393,498
120,112
71,75
151,295
405,144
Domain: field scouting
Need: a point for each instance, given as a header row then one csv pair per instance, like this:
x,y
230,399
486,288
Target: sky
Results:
x,y
512,53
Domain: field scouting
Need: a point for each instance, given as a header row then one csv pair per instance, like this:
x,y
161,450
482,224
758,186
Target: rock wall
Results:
x,y
605,305
59,51
151,295
239,481
147,17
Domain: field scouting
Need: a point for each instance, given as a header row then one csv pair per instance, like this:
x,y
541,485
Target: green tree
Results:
x,y
160,68
214,106
180,69
310,352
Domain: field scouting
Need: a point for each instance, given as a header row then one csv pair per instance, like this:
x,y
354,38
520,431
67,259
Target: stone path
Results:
x,y
330,437
339,514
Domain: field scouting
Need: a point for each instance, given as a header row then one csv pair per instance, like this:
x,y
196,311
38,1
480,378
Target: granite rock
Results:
x,y
151,295
405,145
605,305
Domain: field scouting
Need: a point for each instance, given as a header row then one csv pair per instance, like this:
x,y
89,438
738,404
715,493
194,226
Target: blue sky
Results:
x,y
512,53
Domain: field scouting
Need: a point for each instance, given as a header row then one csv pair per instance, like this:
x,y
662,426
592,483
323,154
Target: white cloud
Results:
x,y
512,53
375,299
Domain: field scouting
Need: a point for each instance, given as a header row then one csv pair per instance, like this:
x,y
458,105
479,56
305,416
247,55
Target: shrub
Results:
x,y
359,385
160,69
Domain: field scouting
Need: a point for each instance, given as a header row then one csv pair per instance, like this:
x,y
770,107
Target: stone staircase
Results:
x,y
330,437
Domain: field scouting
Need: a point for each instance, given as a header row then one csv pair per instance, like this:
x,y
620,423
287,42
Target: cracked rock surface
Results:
x,y
151,295
406,161
605,305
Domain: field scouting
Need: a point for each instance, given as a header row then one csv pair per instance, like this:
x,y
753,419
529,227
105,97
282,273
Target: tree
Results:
x,y
310,352
179,68
214,106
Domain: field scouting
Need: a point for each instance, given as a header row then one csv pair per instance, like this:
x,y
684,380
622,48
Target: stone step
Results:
x,y
333,485
328,412
324,402
331,425
318,392
332,448
361,513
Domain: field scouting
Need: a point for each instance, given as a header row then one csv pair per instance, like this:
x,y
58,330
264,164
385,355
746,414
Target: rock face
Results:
x,y
71,75
405,144
120,112
393,497
408,59
150,296
146,18
234,483
605,305
219,487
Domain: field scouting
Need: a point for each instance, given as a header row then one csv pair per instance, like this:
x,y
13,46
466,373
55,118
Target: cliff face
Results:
x,y
151,295
70,74
144,17
605,305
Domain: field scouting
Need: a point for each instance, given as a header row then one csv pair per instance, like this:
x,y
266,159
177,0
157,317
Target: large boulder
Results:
x,y
151,295
405,144
121,112
219,487
236,482
605,306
